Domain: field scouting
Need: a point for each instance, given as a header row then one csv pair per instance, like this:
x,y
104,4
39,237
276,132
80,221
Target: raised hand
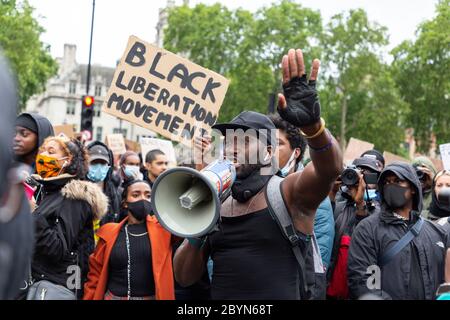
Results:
x,y
300,104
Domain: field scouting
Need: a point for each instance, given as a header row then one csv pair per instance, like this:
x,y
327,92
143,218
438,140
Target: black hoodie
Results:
x,y
109,189
417,270
45,130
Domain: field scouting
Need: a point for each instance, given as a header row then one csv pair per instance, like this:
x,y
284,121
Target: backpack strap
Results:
x,y
280,214
403,242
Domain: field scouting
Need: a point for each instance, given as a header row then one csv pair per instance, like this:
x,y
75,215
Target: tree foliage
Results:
x,y
20,41
421,69
359,91
244,47
361,95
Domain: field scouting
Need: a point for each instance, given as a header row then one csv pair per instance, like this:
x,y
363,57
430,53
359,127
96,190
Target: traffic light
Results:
x,y
87,113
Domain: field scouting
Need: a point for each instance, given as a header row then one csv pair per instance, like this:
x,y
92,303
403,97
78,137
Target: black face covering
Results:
x,y
394,196
140,209
440,205
244,189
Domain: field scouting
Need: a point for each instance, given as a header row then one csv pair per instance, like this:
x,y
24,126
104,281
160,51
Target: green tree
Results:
x,y
20,40
421,71
244,47
359,90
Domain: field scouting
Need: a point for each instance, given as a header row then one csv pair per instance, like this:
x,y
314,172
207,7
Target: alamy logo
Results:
x,y
374,279
74,280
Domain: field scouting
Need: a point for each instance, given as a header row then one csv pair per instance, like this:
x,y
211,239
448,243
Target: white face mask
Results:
x,y
289,165
133,172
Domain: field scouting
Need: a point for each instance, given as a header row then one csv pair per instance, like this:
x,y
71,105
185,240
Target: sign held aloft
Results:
x,y
149,144
390,158
116,143
165,93
65,130
355,148
444,149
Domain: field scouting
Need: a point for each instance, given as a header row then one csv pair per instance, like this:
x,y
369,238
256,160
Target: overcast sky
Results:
x,y
68,21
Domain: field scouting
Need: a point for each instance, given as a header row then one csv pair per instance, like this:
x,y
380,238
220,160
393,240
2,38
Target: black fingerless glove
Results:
x,y
303,106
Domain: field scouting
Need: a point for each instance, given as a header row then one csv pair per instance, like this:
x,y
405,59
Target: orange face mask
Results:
x,y
48,167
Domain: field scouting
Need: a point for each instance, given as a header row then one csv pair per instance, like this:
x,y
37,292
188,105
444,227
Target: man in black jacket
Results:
x,y
418,269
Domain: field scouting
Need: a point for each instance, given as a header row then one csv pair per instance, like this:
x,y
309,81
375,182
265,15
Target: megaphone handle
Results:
x,y
197,242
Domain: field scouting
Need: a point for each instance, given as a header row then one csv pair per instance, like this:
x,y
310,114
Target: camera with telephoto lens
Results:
x,y
350,176
419,172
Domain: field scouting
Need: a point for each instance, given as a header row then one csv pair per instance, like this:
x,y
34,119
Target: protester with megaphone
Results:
x,y
133,258
252,259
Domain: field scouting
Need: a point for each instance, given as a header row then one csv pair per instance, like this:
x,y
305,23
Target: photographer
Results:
x,y
360,191
425,171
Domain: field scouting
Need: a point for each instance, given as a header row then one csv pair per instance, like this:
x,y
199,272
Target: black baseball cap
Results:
x,y
98,152
369,163
249,120
377,155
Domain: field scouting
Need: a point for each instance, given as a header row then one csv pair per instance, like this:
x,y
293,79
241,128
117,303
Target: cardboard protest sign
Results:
x,y
165,93
390,157
355,148
438,164
149,144
445,155
65,130
132,145
116,143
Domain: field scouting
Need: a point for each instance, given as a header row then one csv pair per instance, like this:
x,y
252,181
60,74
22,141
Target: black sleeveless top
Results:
x,y
252,260
141,275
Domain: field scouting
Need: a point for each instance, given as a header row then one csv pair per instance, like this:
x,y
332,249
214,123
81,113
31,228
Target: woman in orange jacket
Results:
x,y
133,258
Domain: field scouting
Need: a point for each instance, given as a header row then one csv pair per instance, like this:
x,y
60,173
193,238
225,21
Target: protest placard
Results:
x,y
163,92
149,144
438,164
65,130
445,155
132,146
390,157
355,148
116,143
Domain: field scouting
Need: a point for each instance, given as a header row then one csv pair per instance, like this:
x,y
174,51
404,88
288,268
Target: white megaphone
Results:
x,y
187,202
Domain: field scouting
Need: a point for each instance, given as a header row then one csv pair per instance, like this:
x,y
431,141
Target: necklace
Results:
x,y
128,263
251,202
137,235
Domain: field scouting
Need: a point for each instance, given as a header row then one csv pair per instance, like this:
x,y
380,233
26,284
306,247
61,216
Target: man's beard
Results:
x,y
245,170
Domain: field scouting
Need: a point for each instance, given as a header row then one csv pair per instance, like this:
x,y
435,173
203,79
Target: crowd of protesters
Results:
x,y
74,224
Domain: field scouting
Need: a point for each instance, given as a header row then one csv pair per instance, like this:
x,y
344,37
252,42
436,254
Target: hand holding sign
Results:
x,y
165,93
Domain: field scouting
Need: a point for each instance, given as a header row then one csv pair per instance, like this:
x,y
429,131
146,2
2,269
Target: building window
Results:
x,y
70,110
123,131
98,91
99,134
97,110
72,87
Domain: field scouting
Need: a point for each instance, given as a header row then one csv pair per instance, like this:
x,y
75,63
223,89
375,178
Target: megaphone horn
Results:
x,y
187,202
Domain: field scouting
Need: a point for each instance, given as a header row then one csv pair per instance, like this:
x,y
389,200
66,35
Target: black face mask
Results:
x,y
394,196
244,189
440,204
140,209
